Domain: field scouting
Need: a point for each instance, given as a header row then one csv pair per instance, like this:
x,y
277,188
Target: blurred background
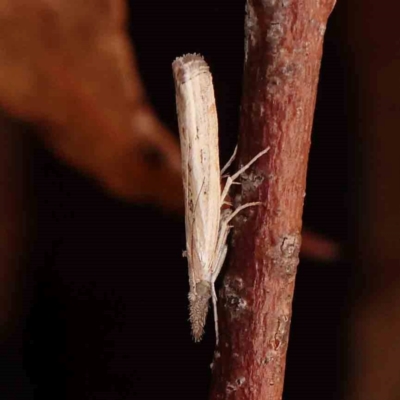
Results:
x,y
94,288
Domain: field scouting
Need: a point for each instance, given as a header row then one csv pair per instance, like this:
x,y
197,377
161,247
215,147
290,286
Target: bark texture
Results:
x,y
282,61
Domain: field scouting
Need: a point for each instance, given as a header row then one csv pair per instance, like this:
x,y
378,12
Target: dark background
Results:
x,y
107,313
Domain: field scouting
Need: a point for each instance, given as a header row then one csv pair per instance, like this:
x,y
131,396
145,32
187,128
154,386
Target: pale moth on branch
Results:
x,y
207,226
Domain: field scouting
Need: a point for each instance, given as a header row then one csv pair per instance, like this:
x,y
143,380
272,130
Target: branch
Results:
x,y
283,54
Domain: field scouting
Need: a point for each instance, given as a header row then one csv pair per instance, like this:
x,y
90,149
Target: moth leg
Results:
x,y
214,276
231,179
220,263
229,163
252,161
241,208
221,251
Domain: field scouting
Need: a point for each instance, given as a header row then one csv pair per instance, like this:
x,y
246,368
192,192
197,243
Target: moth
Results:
x,y
207,212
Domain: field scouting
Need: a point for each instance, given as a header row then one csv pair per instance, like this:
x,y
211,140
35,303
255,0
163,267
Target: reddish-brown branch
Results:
x,y
283,53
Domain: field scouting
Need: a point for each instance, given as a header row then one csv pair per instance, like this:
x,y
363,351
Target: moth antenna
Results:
x,y
252,161
241,208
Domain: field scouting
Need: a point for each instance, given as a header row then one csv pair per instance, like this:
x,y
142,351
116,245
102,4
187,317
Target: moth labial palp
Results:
x,y
207,224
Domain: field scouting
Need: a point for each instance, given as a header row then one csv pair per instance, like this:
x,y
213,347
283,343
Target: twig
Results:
x,y
282,60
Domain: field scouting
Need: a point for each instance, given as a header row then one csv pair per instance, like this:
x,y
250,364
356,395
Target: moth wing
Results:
x,y
198,129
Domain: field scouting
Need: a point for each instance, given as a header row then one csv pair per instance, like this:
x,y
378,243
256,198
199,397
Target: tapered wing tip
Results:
x,y
198,315
198,303
197,336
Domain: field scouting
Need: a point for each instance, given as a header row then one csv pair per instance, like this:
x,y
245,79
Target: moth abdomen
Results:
x,y
199,300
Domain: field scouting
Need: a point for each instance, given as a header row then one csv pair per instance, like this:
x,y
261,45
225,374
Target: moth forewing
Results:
x,y
198,129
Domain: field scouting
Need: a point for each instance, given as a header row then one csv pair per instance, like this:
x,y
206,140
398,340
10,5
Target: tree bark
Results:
x,y
282,60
